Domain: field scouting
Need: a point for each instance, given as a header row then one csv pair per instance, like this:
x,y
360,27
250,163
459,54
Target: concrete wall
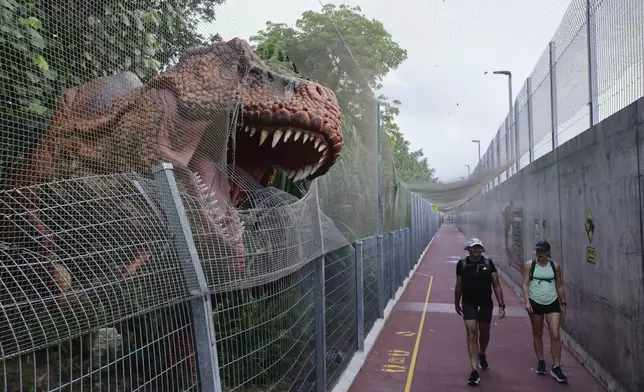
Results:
x,y
601,170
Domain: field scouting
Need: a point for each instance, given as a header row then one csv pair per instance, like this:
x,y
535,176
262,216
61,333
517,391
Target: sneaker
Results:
x,y
483,362
474,378
541,367
558,375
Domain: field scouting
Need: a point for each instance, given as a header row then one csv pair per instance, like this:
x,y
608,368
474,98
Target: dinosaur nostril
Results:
x,y
318,89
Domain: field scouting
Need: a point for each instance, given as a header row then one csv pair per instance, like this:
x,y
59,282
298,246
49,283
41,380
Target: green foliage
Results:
x,y
317,48
48,46
410,165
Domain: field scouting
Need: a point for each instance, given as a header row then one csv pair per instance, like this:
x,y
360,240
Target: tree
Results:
x,y
409,165
50,45
317,46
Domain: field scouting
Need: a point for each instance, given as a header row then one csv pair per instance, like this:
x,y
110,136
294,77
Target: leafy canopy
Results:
x,y
316,48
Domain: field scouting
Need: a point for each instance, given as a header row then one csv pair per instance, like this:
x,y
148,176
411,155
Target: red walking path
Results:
x,y
416,354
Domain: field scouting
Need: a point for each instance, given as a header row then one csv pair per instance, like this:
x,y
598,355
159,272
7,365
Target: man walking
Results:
x,y
476,276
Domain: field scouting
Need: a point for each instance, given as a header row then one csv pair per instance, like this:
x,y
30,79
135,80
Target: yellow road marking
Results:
x,y
406,333
414,355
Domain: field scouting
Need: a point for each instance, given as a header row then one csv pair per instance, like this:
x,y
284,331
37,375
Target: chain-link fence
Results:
x,y
191,202
592,68
165,328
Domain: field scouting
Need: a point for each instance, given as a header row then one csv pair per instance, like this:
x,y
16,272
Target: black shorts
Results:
x,y
481,313
540,310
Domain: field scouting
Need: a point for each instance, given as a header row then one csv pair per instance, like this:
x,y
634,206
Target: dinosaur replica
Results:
x,y
218,107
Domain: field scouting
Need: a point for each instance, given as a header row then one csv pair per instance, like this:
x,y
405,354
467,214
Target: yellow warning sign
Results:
x,y
406,333
433,207
398,353
590,225
591,253
389,368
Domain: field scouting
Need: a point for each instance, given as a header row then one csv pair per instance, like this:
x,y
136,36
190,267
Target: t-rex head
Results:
x,y
218,106
276,121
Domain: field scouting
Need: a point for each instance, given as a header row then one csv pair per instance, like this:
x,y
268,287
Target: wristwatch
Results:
x,y
502,306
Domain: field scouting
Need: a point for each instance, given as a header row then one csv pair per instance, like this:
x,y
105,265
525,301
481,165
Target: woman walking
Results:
x,y
545,299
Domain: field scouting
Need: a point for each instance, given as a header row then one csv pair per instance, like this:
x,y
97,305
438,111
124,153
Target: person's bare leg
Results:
x,y
537,335
472,343
484,336
554,320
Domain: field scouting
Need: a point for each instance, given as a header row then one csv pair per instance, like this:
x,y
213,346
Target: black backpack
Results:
x,y
552,265
463,263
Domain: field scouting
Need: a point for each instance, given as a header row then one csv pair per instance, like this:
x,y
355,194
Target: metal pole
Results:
x,y
530,120
517,137
510,90
320,300
553,97
392,265
410,262
320,326
359,294
200,307
380,266
591,24
379,136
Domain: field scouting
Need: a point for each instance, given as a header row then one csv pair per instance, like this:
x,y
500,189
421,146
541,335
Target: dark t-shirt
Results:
x,y
476,281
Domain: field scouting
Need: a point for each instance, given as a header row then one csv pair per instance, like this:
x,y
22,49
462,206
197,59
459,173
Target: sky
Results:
x,y
447,99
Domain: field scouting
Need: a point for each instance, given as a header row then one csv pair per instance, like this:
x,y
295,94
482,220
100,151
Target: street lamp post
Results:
x,y
468,170
507,125
509,74
479,143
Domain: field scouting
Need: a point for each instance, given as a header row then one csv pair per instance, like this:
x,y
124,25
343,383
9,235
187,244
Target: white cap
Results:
x,y
473,242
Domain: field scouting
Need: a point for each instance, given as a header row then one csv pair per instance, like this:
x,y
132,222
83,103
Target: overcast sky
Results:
x,y
447,100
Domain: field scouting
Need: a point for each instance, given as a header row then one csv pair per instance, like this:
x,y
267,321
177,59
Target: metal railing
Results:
x,y
297,333
591,69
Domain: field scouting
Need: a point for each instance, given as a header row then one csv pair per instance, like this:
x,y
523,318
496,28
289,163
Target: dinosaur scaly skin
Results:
x,y
219,105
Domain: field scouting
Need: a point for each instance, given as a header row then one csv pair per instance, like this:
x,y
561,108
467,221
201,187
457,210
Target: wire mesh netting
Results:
x,y
371,260
170,185
591,69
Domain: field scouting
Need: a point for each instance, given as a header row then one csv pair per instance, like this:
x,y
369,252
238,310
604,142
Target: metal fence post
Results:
x,y
553,97
379,141
517,137
410,266
401,259
320,326
530,120
200,306
591,24
392,264
380,268
359,294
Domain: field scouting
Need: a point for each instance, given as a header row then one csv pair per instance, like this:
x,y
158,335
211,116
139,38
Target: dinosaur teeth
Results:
x,y
322,147
287,134
247,129
306,137
252,132
263,137
297,135
277,135
298,176
316,143
307,171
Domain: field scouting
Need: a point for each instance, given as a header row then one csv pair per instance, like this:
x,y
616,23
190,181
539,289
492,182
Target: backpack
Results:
x,y
463,263
552,265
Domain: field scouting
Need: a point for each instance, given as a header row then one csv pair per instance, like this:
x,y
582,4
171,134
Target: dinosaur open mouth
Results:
x,y
260,149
